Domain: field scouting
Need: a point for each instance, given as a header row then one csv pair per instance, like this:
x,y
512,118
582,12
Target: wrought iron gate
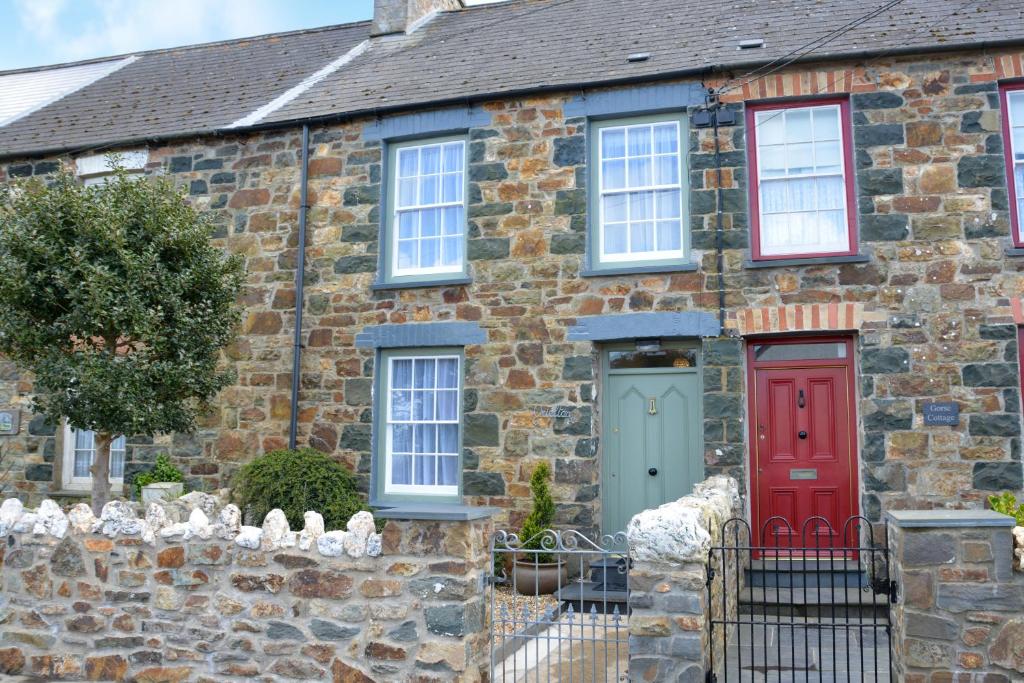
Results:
x,y
790,606
574,629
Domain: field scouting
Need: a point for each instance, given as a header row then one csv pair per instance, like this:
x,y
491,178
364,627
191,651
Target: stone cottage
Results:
x,y
645,242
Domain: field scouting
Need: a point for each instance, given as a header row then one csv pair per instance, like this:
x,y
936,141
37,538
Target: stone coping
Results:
x,y
436,511
949,518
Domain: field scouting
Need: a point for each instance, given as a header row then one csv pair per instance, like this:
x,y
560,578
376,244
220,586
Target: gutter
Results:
x,y
463,100
300,285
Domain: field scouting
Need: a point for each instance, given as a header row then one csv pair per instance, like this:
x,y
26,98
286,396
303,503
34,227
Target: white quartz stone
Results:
x,y
250,537
118,517
1018,541
26,523
198,499
230,521
360,526
200,524
374,545
181,530
275,528
52,520
81,518
332,543
313,529
156,517
10,512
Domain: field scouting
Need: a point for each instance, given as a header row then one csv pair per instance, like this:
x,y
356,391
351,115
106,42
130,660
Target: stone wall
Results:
x,y
959,612
669,638
186,594
933,298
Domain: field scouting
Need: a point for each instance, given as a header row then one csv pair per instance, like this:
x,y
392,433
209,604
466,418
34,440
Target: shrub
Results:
x,y
163,470
1007,504
297,481
541,517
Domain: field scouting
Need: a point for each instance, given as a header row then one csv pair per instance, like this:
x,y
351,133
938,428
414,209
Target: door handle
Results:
x,y
653,471
802,434
653,408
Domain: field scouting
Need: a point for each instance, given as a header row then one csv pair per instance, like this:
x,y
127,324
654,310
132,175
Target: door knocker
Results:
x,y
653,408
800,399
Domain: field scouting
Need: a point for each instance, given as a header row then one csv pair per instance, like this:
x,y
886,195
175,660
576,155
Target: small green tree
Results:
x,y
541,517
114,299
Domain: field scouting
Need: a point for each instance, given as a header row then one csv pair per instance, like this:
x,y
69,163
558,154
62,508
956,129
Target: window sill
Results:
x,y
815,261
640,270
1015,251
454,512
421,284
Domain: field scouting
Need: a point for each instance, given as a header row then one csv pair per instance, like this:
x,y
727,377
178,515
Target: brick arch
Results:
x,y
830,317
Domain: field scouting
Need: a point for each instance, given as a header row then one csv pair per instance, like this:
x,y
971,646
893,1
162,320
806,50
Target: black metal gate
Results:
x,y
807,605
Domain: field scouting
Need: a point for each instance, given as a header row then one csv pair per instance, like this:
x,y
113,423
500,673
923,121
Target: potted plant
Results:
x,y
163,482
537,571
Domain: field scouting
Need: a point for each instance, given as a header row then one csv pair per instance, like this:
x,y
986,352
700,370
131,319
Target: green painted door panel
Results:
x,y
652,423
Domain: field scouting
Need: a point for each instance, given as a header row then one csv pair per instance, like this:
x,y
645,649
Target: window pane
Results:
x,y
615,238
798,125
430,253
614,208
452,217
430,160
407,162
407,224
452,187
83,439
641,205
407,192
1018,141
83,461
448,439
429,189
613,175
117,454
425,438
452,251
407,254
772,161
640,172
401,438
773,196
812,351
447,405
448,471
453,156
800,158
423,373
669,204
826,123
771,128
827,157
830,193
639,138
401,373
426,470
613,143
774,233
801,195
666,138
641,237
401,469
668,170
448,373
430,222
669,235
401,405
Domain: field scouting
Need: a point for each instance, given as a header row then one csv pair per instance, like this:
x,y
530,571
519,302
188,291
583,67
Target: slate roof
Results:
x,y
511,47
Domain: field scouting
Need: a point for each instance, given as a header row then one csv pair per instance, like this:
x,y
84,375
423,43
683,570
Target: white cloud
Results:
x,y
126,26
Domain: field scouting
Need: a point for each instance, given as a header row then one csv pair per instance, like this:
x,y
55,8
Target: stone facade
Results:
x,y
161,599
958,616
931,304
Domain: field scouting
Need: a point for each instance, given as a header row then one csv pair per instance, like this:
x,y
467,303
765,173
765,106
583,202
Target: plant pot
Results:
x,y
161,491
539,578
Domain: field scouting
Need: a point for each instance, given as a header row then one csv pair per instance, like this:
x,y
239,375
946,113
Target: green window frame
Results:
x,y
417,402
425,213
638,198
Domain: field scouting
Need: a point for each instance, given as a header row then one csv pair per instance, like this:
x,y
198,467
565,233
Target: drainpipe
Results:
x,y
300,283
719,236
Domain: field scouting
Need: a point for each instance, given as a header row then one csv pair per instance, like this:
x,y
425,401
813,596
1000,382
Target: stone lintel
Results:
x,y
642,325
938,519
417,335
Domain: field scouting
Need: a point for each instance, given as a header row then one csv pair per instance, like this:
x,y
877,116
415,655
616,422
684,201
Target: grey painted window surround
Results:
x,y
420,335
623,326
378,498
385,277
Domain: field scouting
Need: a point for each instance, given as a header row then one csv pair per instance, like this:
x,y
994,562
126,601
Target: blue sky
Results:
x,y
36,32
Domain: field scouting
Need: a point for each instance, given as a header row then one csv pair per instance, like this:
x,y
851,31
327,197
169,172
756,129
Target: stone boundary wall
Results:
x,y
960,609
185,593
669,545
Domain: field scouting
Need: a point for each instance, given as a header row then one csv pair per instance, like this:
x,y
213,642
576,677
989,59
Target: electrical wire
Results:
x,y
805,49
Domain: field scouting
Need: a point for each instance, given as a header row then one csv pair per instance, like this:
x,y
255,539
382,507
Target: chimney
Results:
x,y
400,16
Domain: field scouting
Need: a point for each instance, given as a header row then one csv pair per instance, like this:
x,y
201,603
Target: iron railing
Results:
x,y
807,606
577,630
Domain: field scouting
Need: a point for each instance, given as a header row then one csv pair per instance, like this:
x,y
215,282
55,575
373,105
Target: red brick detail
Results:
x,y
833,316
1017,306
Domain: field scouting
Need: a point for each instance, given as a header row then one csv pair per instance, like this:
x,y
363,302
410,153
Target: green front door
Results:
x,y
653,447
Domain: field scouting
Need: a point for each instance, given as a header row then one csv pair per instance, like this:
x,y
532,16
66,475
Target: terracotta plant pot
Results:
x,y
539,578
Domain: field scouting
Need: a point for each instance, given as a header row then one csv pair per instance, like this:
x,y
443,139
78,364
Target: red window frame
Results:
x,y
848,171
1004,102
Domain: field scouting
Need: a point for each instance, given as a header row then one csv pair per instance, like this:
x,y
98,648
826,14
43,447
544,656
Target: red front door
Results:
x,y
803,452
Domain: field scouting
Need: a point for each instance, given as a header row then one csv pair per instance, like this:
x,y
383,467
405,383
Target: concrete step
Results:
x,y
810,573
